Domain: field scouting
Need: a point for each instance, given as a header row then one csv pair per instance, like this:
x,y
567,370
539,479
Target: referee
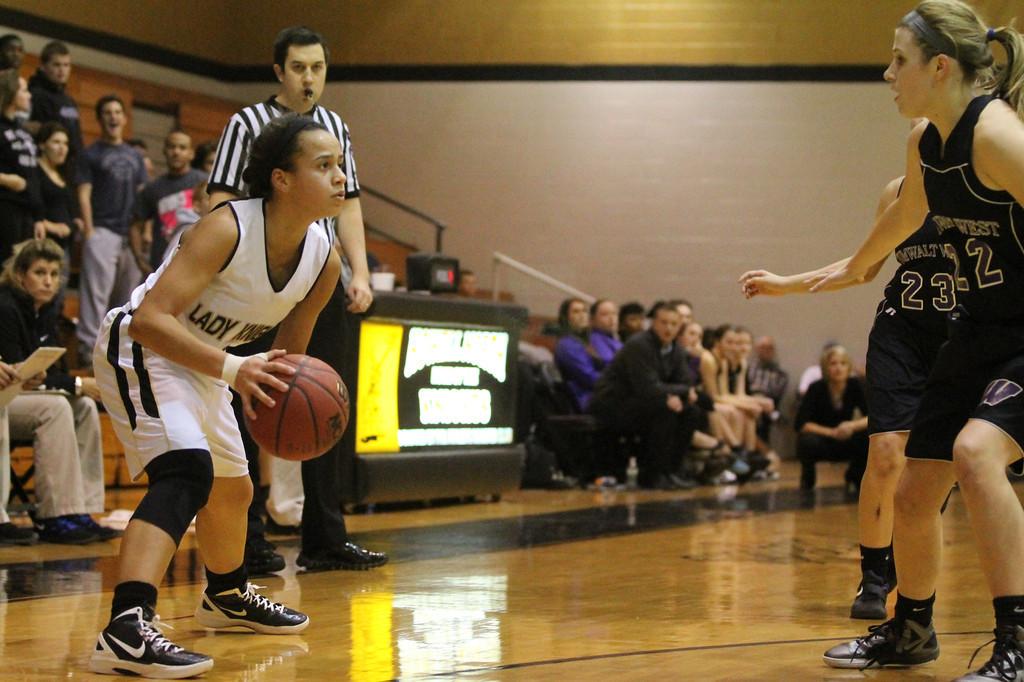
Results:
x,y
300,63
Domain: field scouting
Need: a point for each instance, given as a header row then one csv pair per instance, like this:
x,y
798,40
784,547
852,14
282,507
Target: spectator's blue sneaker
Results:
x,y
101,532
894,643
63,530
1007,662
133,645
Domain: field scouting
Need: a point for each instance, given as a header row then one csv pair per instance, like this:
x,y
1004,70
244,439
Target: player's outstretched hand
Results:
x,y
823,281
762,283
257,371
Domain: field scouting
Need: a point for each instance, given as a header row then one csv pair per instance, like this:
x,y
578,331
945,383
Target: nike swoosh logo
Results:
x,y
918,610
1018,609
135,651
242,614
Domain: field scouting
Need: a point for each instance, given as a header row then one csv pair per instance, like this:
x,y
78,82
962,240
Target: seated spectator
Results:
x,y
60,206
813,372
582,354
9,533
765,377
50,101
728,422
206,154
20,204
166,204
828,427
467,283
685,309
648,389
64,426
631,320
571,355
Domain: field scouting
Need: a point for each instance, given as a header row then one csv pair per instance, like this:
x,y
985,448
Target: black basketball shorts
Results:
x,y
900,358
979,374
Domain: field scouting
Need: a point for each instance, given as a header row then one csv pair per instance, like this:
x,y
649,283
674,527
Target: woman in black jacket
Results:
x,y
20,204
62,421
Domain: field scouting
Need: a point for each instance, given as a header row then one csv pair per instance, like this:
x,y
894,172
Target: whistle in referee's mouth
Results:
x,y
308,93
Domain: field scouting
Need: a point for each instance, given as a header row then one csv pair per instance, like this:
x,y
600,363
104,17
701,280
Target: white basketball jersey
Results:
x,y
240,303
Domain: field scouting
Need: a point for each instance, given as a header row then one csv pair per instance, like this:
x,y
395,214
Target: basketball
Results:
x,y
308,418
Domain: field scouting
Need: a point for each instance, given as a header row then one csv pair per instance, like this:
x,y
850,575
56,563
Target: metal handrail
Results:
x,y
501,259
439,227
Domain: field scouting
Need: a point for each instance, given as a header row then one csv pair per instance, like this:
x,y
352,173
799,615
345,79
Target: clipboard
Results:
x,y
39,361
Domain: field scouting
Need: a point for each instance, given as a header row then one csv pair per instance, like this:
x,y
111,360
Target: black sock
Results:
x,y
876,559
132,593
1009,610
917,610
222,582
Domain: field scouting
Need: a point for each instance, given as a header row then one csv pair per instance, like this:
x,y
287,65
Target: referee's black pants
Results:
x,y
323,526
812,448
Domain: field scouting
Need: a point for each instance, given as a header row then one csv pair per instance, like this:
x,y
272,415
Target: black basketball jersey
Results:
x,y
981,224
922,290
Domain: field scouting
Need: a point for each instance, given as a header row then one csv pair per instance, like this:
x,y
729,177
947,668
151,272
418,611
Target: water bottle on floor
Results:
x,y
632,473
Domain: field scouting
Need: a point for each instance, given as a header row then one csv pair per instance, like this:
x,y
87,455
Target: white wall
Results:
x,y
643,190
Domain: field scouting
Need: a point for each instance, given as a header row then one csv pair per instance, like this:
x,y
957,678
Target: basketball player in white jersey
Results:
x,y
164,376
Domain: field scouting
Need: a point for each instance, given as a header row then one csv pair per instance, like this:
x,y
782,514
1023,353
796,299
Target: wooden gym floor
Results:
x,y
718,584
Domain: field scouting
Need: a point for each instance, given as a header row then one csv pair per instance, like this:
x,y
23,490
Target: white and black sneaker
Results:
x,y
249,609
894,643
1007,662
133,645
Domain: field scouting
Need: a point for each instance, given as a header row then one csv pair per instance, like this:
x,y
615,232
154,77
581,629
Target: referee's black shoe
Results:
x,y
132,644
895,643
261,556
348,557
249,609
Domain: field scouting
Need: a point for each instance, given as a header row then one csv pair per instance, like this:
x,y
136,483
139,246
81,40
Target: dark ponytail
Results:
x,y
276,147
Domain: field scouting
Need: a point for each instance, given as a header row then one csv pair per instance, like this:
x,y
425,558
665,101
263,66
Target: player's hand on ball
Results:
x,y
258,371
763,283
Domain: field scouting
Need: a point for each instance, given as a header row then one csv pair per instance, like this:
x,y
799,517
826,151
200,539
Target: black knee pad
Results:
x,y
179,486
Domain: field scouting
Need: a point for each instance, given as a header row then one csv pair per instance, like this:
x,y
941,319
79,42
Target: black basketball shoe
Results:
x,y
1007,662
893,643
133,645
869,603
249,609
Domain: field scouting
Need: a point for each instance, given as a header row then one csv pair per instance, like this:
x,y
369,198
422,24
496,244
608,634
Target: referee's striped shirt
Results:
x,y
245,126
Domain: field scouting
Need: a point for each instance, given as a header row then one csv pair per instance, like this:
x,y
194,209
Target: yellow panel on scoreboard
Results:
x,y
380,348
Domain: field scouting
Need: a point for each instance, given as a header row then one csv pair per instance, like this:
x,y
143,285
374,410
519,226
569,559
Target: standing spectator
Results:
x,y
648,388
827,422
631,320
50,100
20,205
166,204
139,145
12,51
206,154
300,64
111,173
68,451
60,206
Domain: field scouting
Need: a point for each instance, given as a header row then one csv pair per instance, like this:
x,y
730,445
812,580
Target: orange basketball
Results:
x,y
308,418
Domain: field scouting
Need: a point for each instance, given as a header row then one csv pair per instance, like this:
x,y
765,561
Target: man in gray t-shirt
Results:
x,y
167,205
109,175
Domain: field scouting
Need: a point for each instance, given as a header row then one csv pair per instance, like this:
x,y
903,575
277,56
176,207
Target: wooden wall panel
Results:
x,y
433,32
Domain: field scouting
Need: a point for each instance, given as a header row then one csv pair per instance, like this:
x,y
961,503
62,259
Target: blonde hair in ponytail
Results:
x,y
962,35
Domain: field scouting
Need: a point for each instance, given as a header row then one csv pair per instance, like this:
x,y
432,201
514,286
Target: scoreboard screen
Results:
x,y
429,385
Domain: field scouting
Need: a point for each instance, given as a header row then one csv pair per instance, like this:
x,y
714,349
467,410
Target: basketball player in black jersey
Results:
x,y
967,168
909,327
